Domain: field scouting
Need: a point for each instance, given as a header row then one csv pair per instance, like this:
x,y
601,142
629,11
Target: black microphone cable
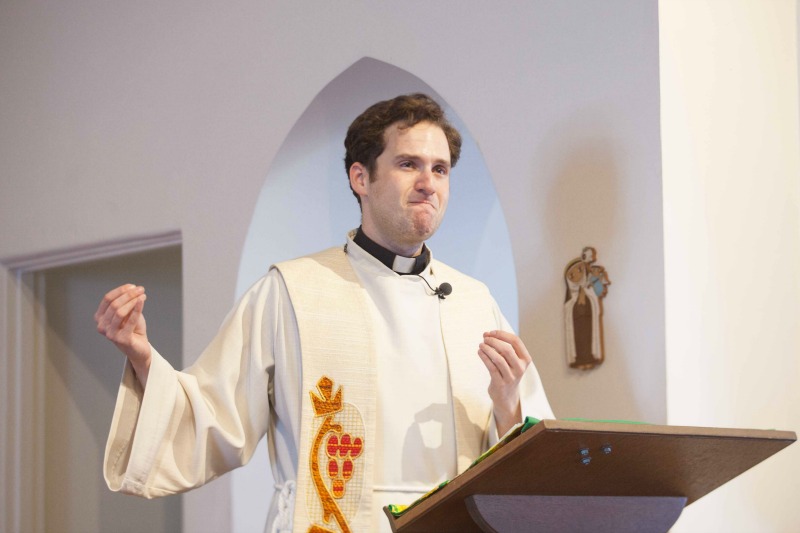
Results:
x,y
441,291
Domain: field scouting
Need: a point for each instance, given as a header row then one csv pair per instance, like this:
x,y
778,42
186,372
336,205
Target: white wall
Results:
x,y
731,152
120,119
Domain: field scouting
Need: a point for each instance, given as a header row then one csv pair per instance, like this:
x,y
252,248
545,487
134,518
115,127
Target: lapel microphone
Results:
x,y
442,291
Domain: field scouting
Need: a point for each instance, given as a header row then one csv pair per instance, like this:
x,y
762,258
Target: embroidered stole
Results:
x,y
337,430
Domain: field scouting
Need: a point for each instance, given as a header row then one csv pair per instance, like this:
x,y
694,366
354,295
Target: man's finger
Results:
x,y
496,359
112,301
109,297
132,320
513,340
120,316
113,312
515,362
489,364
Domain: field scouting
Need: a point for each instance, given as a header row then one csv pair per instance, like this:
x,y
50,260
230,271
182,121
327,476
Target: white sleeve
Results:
x,y
187,428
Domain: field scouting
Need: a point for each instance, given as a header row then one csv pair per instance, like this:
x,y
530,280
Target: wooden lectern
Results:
x,y
591,476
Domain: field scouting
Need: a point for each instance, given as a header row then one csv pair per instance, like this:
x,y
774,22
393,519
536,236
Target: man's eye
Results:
x,y
406,164
441,170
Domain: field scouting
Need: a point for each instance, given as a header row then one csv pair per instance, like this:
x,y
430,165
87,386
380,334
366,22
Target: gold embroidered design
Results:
x,y
336,447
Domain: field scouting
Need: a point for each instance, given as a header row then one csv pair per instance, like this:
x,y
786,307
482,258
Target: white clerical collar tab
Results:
x,y
403,265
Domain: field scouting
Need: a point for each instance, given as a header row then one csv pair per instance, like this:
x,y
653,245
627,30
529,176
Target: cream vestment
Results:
x,y
403,408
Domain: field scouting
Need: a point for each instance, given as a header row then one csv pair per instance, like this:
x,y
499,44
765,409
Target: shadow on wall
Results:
x,y
306,205
578,182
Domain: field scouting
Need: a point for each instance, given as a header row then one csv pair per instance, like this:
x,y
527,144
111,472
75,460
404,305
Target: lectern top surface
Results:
x,y
576,458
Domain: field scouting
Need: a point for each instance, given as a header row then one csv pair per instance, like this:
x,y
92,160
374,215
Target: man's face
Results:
x,y
405,202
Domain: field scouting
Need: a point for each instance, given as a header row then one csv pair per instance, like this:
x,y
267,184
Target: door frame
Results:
x,y
23,322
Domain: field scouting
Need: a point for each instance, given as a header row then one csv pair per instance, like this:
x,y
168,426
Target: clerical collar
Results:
x,y
398,263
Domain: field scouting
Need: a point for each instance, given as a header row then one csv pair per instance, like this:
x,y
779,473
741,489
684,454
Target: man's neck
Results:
x,y
399,263
405,249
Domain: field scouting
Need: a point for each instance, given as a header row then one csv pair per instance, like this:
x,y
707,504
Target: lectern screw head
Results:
x,y
606,448
584,451
586,460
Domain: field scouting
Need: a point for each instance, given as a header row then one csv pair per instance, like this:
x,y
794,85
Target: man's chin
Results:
x,y
425,231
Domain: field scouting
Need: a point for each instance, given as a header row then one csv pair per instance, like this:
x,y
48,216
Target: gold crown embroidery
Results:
x,y
325,403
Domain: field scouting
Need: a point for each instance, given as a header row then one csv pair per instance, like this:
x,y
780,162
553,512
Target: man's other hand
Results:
x,y
506,358
119,318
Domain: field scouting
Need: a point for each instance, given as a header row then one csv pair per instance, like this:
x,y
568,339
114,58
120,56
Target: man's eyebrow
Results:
x,y
439,161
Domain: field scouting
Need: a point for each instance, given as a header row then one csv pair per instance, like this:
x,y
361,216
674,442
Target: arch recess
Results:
x,y
306,205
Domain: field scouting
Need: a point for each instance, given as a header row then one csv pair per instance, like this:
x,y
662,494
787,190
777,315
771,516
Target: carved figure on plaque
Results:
x,y
587,285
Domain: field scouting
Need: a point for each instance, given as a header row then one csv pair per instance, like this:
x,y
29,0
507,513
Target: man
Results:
x,y
365,379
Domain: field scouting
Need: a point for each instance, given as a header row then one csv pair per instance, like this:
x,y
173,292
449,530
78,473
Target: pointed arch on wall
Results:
x,y
306,205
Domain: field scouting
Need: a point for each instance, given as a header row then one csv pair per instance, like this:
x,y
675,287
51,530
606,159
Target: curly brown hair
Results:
x,y
365,137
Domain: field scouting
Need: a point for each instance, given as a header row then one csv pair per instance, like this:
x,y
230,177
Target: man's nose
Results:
x,y
425,181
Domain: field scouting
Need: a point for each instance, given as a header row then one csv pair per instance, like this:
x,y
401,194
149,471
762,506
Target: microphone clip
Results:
x,y
443,290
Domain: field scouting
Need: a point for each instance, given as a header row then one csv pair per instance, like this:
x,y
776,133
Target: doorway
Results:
x,y
80,373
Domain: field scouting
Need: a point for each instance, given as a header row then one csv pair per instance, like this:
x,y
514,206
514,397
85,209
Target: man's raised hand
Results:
x,y
119,318
506,358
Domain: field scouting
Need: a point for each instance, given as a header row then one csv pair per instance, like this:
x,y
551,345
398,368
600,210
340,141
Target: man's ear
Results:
x,y
359,177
